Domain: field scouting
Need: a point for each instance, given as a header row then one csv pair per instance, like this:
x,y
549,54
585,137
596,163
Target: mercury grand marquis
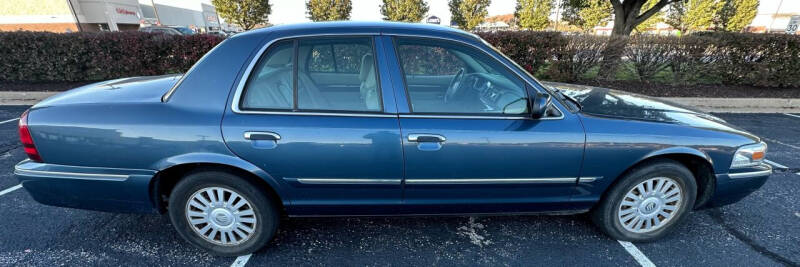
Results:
x,y
350,119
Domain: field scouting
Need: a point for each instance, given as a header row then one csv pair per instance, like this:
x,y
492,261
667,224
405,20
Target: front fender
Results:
x,y
677,150
227,160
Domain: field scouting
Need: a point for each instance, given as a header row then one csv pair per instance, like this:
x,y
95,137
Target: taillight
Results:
x,y
27,140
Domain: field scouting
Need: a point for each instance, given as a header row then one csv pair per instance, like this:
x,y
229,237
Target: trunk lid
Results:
x,y
125,90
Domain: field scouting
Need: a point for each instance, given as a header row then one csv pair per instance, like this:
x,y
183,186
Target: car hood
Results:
x,y
125,90
606,102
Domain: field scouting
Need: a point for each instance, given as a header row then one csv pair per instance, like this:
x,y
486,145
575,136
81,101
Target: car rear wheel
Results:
x,y
222,213
647,202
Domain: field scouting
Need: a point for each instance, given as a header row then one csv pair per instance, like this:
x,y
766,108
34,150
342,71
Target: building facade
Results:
x,y
196,14
69,15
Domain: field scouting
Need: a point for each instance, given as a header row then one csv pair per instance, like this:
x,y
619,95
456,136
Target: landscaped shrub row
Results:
x,y
49,57
770,60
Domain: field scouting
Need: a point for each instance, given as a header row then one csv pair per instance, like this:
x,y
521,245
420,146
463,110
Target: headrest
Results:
x,y
366,66
280,58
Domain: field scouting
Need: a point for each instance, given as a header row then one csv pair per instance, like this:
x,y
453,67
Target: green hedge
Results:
x,y
766,60
53,57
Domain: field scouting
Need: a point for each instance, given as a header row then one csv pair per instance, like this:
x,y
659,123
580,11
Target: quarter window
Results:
x,y
334,74
445,77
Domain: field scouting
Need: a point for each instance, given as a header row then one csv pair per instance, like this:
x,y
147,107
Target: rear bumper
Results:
x,y
736,185
103,189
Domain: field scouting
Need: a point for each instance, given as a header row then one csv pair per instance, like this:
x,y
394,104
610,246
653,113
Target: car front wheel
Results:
x,y
222,213
647,202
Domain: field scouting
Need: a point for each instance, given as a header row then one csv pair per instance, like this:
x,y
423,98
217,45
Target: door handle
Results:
x,y
433,138
262,136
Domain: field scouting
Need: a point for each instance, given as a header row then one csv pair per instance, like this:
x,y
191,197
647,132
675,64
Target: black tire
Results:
x,y
605,214
264,208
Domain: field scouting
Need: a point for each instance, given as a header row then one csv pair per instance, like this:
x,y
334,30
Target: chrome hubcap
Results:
x,y
221,216
649,205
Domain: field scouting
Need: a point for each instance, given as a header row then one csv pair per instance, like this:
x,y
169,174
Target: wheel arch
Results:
x,y
173,169
699,163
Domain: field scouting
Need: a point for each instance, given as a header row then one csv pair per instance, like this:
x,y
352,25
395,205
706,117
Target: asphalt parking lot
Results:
x,y
763,229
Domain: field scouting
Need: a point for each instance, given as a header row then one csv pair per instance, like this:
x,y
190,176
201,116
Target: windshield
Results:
x,y
186,31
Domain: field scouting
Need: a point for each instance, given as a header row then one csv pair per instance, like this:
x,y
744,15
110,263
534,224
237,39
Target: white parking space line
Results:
x,y
781,143
792,115
7,121
241,260
9,190
775,164
636,253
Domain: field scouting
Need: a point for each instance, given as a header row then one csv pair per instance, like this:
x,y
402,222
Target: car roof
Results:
x,y
343,27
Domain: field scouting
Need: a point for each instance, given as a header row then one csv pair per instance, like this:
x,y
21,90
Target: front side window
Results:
x,y
323,74
446,77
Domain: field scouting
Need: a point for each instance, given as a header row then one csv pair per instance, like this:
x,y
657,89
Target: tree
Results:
x,y
735,15
245,13
676,12
629,13
404,10
700,14
327,10
652,21
533,14
468,14
595,13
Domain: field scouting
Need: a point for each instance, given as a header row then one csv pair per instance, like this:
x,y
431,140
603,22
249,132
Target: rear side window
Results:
x,y
271,83
333,74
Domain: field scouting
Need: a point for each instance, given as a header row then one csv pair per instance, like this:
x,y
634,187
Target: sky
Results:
x,y
294,11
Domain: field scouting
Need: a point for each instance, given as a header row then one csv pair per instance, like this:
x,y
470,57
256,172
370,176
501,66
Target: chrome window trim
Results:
x,y
335,114
348,181
243,80
743,175
73,175
494,181
478,117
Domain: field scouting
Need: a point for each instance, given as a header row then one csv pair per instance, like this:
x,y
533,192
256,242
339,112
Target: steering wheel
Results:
x,y
455,86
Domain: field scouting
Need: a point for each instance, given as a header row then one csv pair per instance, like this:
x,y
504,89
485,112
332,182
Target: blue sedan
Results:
x,y
348,119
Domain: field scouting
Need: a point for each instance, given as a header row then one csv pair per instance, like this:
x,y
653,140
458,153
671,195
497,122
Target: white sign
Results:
x,y
794,22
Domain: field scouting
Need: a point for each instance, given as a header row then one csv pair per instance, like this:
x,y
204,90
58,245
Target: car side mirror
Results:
x,y
539,104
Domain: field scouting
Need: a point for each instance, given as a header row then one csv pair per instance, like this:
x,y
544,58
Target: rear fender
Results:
x,y
213,158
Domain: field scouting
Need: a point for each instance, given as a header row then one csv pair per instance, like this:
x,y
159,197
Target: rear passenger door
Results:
x,y
325,136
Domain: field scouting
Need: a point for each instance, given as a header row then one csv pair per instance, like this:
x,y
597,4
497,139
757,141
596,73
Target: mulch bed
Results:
x,y
645,88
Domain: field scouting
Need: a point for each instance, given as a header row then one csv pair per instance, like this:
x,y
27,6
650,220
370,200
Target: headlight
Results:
x,y
749,155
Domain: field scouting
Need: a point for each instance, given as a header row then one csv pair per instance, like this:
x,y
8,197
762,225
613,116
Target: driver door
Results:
x,y
478,150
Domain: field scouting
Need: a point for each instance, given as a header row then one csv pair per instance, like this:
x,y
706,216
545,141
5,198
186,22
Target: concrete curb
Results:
x,y
721,105
740,105
8,98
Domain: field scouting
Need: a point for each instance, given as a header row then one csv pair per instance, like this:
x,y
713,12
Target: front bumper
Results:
x,y
103,189
736,185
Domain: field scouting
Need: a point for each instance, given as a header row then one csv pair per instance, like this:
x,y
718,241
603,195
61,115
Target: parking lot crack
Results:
x,y
716,215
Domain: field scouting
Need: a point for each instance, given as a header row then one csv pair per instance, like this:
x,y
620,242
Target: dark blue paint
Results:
x,y
124,127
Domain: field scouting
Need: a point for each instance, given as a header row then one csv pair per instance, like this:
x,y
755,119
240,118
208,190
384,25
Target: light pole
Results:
x,y
769,29
75,14
155,10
